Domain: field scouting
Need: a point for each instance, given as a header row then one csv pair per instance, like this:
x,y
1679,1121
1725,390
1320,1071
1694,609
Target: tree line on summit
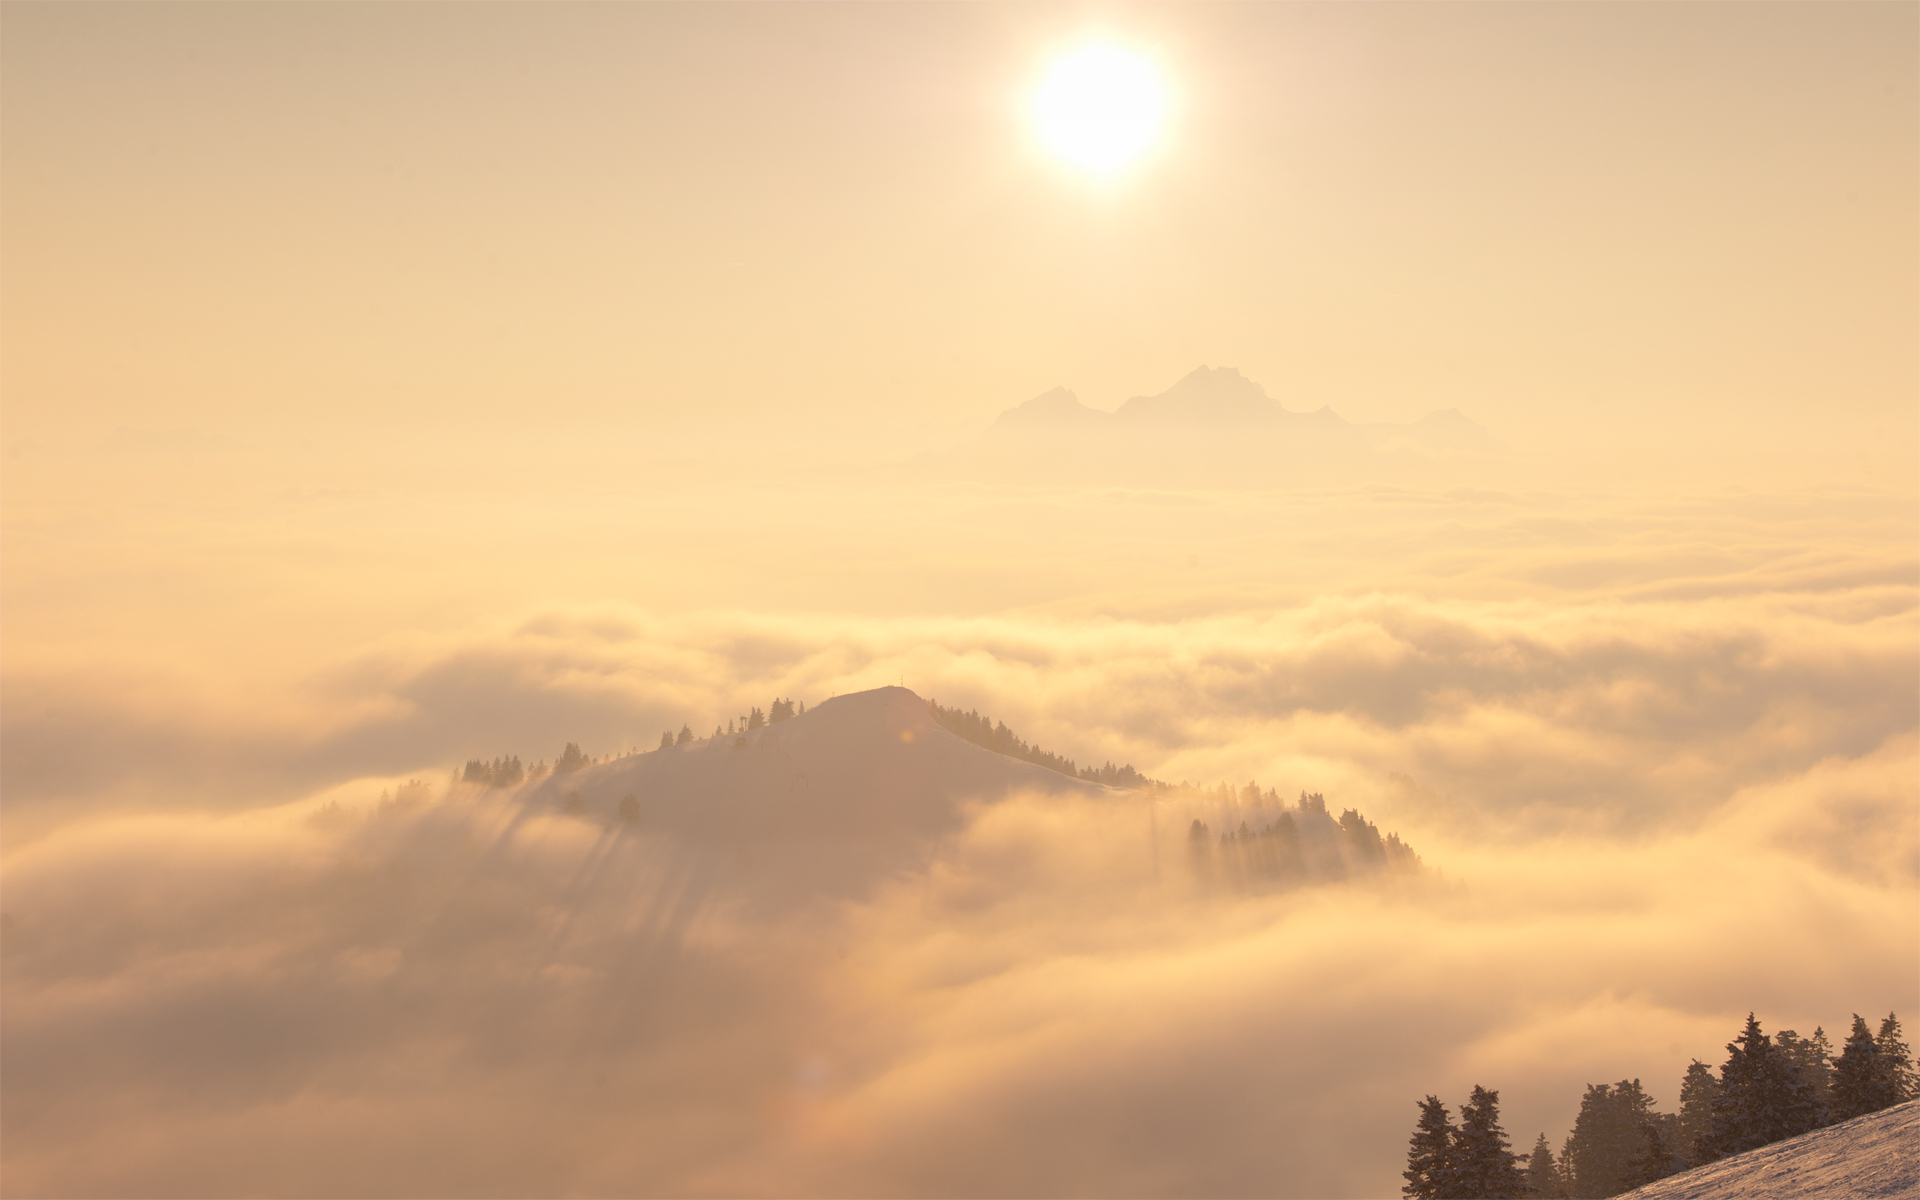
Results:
x,y
508,771
995,736
779,710
1769,1089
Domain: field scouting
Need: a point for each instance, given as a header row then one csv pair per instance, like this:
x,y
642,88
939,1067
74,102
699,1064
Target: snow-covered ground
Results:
x,y
1875,1156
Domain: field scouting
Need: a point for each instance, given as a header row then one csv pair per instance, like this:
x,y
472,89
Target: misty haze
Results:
x,y
808,600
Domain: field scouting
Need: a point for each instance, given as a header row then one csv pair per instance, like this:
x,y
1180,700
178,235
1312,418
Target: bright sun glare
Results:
x,y
1100,108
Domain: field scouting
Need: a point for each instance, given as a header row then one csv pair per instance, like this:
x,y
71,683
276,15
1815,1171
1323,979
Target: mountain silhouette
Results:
x,y
1213,427
1053,409
1219,395
822,804
867,785
871,765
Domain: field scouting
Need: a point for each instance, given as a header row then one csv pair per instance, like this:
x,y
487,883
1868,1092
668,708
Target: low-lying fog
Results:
x,y
1656,747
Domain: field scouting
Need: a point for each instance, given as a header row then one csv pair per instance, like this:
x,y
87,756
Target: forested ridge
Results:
x,y
1767,1090
995,736
1263,841
508,771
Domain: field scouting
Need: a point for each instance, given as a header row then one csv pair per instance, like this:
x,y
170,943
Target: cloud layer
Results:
x,y
1660,755
441,994
1517,715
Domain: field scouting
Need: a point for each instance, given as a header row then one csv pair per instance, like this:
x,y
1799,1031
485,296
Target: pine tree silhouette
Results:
x,y
1480,1164
1543,1173
1859,1079
1762,1098
1810,1064
1657,1158
1697,1091
1896,1061
1429,1172
570,760
1609,1138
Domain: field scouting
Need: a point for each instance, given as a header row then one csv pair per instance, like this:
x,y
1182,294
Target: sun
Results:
x,y
1100,108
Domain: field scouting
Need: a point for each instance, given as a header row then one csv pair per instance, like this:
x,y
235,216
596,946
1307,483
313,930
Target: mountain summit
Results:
x,y
1206,394
1050,409
865,766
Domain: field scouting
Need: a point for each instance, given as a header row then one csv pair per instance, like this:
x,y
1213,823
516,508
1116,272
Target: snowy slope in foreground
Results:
x,y
1875,1156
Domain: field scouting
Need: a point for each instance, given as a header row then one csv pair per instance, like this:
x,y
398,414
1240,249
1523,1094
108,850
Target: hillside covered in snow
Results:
x,y
1875,1157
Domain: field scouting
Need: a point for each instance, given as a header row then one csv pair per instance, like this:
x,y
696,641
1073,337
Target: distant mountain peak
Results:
x,y
1204,372
1211,394
1447,430
1057,406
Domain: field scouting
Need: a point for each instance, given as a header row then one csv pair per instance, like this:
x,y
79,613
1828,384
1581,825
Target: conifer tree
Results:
x,y
1820,1067
1543,1173
571,759
1695,1135
508,772
666,741
1481,1165
1859,1078
1896,1061
1810,1063
1762,1099
1429,1172
1606,1137
1857,1074
1657,1158
686,735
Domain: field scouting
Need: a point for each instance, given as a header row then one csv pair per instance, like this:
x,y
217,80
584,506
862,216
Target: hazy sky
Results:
x,y
383,387
1576,222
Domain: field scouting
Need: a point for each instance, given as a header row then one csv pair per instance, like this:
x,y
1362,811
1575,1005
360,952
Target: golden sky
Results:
x,y
1579,223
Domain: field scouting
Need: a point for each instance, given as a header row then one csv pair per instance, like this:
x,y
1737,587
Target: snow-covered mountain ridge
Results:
x,y
1875,1157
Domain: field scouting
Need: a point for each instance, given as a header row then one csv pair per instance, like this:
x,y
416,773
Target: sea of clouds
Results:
x,y
1658,756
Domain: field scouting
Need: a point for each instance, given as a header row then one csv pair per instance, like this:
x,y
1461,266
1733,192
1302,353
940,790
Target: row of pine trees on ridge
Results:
x,y
1769,1089
508,771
